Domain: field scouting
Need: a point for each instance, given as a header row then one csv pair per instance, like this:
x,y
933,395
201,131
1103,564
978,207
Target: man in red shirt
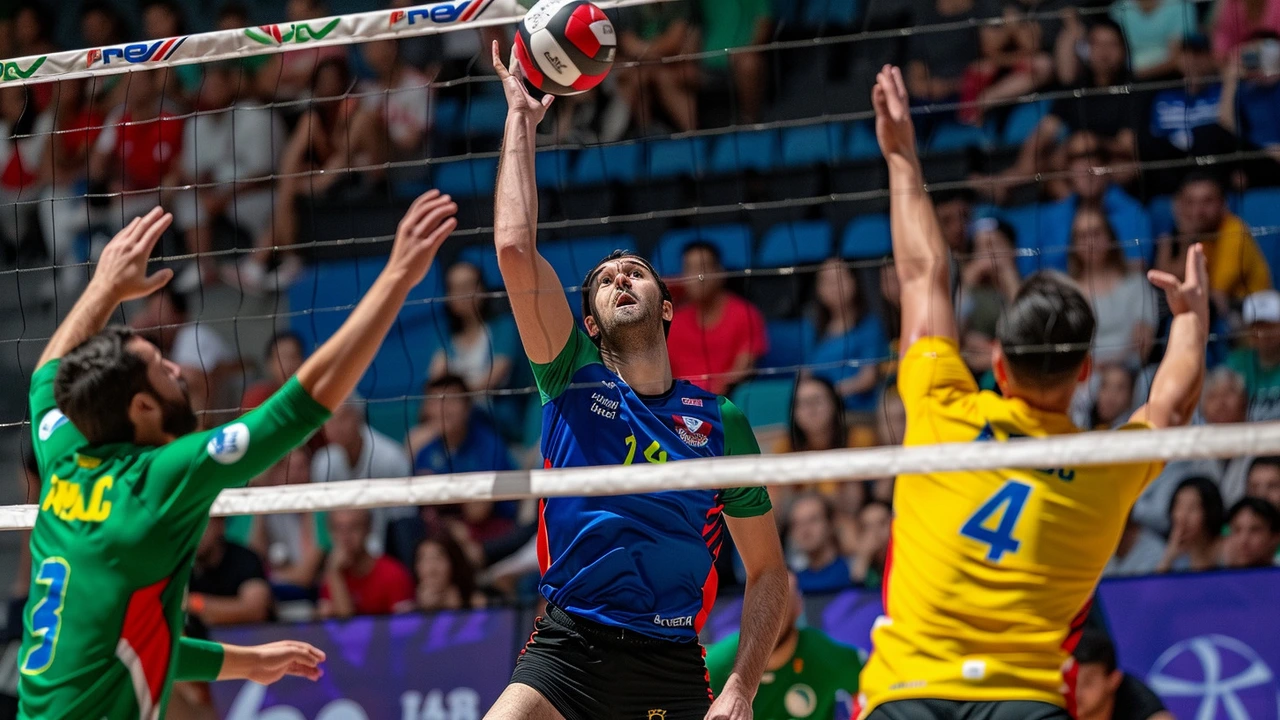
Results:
x,y
137,147
717,337
355,582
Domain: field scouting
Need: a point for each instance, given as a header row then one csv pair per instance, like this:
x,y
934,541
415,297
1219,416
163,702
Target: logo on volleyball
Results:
x,y
134,53
693,431
440,13
1221,676
292,34
11,70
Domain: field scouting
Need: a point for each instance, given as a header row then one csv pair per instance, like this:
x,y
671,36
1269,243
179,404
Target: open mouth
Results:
x,y
624,300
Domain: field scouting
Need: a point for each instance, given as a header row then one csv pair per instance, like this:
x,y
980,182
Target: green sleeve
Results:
x,y
739,439
554,377
186,475
198,660
53,434
720,658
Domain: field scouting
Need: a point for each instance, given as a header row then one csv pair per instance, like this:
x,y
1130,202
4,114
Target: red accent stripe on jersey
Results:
x,y
888,568
146,634
1070,670
578,31
711,694
531,71
712,584
544,550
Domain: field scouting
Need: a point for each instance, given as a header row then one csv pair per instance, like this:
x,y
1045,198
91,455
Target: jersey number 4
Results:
x,y
47,616
1005,507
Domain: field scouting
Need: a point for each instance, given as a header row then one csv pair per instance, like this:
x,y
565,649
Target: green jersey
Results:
x,y
820,681
111,554
1261,382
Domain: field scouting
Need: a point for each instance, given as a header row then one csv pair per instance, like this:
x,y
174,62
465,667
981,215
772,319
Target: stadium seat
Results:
x,y
795,243
765,401
484,257
552,168
676,157
787,343
734,242
466,178
608,163
867,237
1023,121
572,259
862,143
951,136
1261,210
748,150
485,115
812,145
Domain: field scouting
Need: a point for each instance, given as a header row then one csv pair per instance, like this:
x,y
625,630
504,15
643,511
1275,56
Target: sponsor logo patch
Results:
x,y
53,420
229,445
695,402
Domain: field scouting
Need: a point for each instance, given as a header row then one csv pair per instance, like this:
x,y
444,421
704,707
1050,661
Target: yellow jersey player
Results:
x,y
991,573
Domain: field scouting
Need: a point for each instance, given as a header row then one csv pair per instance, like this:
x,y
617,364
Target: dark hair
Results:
x,y
1115,255
1046,330
838,435
96,383
233,8
1265,461
588,293
455,322
1196,177
695,245
1263,509
173,9
1095,647
821,315
461,573
43,15
1215,514
284,336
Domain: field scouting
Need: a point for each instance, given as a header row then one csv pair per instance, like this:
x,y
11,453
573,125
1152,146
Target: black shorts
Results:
x,y
928,709
589,671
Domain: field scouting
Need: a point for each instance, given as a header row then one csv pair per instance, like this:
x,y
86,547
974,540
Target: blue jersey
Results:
x,y
642,562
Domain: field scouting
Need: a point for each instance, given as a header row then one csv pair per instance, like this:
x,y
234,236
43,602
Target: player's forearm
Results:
x,y
331,373
86,319
1180,377
762,619
919,252
515,212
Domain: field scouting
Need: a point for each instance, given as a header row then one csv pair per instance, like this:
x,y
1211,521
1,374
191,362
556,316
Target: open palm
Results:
x,y
894,130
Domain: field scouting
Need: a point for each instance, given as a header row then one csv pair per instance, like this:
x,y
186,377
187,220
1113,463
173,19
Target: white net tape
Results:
x,y
1093,448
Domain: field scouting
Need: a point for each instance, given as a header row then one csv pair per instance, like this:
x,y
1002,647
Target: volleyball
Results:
x,y
565,47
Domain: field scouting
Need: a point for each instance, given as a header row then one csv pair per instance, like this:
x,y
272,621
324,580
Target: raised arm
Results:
x,y
1175,391
919,252
537,297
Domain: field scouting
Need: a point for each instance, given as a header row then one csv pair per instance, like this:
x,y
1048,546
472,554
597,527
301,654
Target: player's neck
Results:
x,y
645,367
1053,400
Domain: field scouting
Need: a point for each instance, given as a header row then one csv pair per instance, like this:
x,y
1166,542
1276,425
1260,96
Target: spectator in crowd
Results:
x,y
21,149
289,542
988,281
1249,105
841,330
446,578
1185,119
32,30
1104,691
955,216
817,420
817,561
287,76
717,336
872,551
847,499
285,354
451,436
205,358
1138,553
1124,302
480,348
165,19
228,585
1236,21
395,114
138,146
1114,401
1264,480
232,15
937,62
1196,516
230,147
645,34
1258,361
100,24
1013,62
1254,534
1154,31
808,674
738,24
1237,267
355,582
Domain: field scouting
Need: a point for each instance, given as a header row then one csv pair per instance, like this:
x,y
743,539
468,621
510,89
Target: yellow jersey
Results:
x,y
990,573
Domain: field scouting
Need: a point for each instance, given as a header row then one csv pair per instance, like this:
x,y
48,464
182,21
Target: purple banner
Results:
x,y
447,666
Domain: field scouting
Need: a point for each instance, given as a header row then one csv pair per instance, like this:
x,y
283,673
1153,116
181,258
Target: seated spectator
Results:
x,y
230,146
840,330
228,585
480,349
165,19
1186,117
1236,21
1254,534
1264,480
1196,516
1250,101
395,114
1013,62
33,26
21,149
100,24
817,562
289,542
137,148
1154,30
1258,362
1138,553
1124,302
988,281
1105,692
1237,267
282,359
817,420
645,34
717,336
451,436
872,551
738,24
1114,402
355,582
197,348
446,579
955,218
937,62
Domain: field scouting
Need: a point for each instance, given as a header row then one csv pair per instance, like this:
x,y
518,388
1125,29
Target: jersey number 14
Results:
x,y
1001,510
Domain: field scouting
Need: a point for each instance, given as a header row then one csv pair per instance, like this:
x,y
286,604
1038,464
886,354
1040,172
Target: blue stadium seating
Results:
x,y
765,401
608,163
552,167
485,258
812,145
573,258
952,136
466,178
822,13
795,243
867,237
750,150
1023,121
676,157
862,142
1261,210
734,242
787,343
484,115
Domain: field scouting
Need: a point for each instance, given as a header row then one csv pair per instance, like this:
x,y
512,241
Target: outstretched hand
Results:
x,y
421,232
894,130
1191,294
519,101
122,269
273,661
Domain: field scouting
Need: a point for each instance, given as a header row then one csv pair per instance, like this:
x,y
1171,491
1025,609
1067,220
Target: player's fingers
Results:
x,y
152,232
444,231
158,280
547,100
1162,280
1197,263
498,65
435,215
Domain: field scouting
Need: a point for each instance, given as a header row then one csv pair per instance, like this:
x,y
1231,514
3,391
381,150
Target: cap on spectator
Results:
x,y
1262,306
1196,42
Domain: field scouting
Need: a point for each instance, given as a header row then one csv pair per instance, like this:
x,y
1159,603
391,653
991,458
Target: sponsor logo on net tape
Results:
x,y
133,53
440,13
291,34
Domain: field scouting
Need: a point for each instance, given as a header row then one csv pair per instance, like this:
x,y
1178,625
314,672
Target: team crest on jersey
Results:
x,y
693,431
228,445
53,420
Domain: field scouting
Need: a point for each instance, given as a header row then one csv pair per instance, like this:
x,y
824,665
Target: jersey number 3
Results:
x,y
1006,506
47,616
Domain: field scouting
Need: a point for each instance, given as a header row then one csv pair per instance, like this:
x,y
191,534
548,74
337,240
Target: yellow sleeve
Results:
x,y
1148,471
932,369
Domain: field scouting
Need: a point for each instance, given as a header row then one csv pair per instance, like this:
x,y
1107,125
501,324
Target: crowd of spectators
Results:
x,y
243,163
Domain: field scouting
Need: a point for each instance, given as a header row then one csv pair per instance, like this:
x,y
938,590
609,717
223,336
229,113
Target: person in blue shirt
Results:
x,y
812,539
845,341
453,437
629,580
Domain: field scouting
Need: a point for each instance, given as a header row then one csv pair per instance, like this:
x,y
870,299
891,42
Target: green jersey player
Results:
x,y
128,485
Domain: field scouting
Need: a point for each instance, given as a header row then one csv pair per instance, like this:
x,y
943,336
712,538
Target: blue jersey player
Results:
x,y
630,579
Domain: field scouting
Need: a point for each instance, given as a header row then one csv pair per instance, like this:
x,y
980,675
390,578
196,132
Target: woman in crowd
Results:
x,y
1114,400
446,580
479,348
1196,517
1124,303
818,423
843,331
988,282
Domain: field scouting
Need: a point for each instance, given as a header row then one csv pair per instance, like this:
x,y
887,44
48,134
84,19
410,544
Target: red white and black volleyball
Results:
x,y
565,47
